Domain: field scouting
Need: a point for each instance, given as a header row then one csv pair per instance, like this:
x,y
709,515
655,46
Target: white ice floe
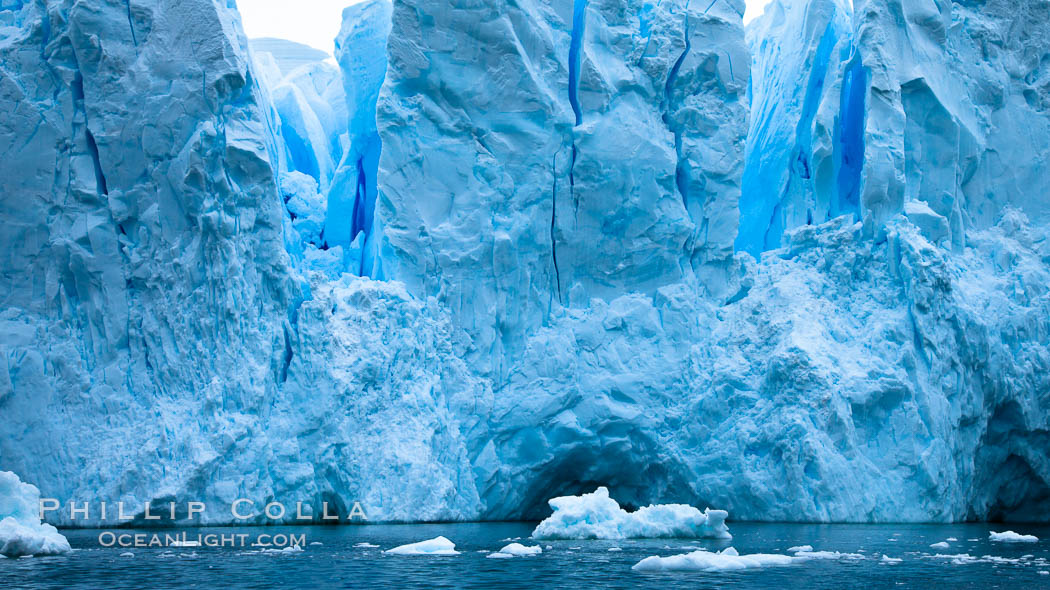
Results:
x,y
952,540
365,545
941,545
313,543
127,554
516,550
615,549
21,532
798,548
727,559
888,559
1012,537
597,516
498,555
1044,573
435,546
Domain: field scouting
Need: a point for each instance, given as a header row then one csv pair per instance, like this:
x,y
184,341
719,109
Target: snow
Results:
x,y
435,546
597,516
21,531
605,260
1012,537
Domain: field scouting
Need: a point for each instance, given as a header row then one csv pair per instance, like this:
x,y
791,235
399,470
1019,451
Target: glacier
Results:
x,y
495,253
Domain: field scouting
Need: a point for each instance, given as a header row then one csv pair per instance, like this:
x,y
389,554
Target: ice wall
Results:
x,y
158,341
557,208
539,155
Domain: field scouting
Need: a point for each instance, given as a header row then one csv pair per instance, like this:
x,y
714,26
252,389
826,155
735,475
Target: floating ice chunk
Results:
x,y
1044,573
316,543
365,545
1012,537
952,540
435,546
597,516
888,559
941,545
706,561
615,549
519,549
827,555
21,532
498,555
127,554
798,548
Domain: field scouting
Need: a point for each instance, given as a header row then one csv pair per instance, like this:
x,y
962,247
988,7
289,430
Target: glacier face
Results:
x,y
578,264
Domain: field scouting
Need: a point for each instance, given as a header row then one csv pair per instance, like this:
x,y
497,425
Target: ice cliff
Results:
x,y
508,251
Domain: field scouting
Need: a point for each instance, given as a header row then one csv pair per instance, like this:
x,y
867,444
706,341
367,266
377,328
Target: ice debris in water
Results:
x,y
798,548
941,545
597,516
516,550
730,559
888,559
365,545
21,532
1012,537
435,546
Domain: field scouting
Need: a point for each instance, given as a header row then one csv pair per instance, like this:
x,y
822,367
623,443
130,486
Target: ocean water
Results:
x,y
331,560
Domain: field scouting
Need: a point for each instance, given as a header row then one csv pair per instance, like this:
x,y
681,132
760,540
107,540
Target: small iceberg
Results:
x,y
888,559
597,516
706,561
21,531
365,546
798,548
941,545
729,559
435,546
1012,537
516,550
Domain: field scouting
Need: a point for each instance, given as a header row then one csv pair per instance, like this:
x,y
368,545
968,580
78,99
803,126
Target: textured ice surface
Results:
x,y
21,532
597,516
435,546
556,204
1012,537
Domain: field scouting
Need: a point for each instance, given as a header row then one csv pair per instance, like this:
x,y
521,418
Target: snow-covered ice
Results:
x,y
940,545
21,532
1011,537
798,548
435,546
597,516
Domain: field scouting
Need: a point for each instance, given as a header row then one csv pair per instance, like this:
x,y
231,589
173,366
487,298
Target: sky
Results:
x,y
316,22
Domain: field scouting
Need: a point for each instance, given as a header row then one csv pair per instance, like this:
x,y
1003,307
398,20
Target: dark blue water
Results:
x,y
336,563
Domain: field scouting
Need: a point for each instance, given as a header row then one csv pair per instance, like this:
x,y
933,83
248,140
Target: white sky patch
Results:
x,y
316,22
310,22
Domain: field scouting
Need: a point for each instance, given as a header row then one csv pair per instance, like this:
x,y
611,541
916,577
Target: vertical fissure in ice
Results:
x,y
554,221
131,23
681,166
579,24
850,138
